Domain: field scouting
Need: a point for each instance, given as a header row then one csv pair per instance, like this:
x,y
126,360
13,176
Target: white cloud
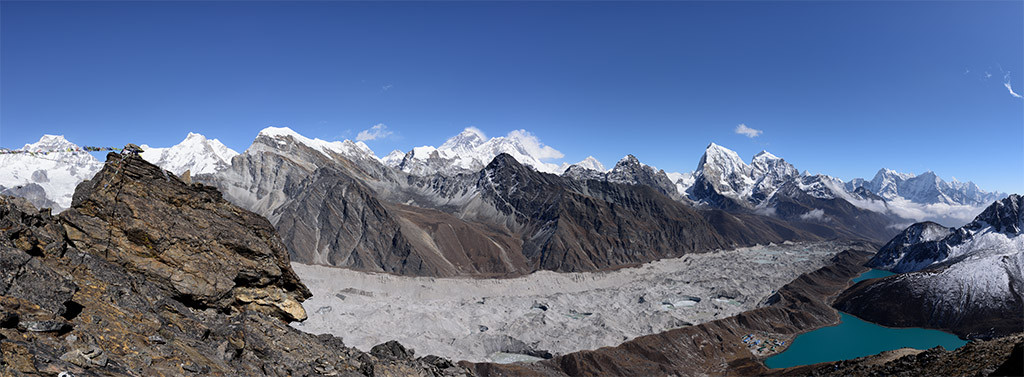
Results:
x,y
814,214
1008,87
742,129
765,211
386,87
379,131
534,147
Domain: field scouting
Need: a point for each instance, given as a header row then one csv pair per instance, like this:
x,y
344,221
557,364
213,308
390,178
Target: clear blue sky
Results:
x,y
837,88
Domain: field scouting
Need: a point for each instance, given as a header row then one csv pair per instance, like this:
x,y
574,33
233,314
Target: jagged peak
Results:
x,y
591,163
347,147
504,161
49,142
629,159
765,155
886,172
1005,216
469,138
722,158
195,136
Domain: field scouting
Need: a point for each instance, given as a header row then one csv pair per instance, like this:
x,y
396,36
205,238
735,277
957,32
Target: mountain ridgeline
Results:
x,y
429,213
506,219
493,207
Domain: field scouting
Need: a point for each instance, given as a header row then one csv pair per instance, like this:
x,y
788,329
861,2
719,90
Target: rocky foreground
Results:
x,y
148,275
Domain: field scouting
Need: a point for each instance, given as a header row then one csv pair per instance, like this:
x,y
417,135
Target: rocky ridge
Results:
x,y
149,275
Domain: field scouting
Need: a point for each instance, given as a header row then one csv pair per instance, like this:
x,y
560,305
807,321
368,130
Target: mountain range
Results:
x,y
484,207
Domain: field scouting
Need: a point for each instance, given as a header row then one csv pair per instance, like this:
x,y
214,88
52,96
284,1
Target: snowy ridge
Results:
x,y
196,154
346,148
995,232
470,151
926,188
591,163
56,173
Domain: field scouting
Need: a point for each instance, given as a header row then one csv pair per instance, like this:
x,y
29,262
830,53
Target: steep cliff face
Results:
x,y
146,275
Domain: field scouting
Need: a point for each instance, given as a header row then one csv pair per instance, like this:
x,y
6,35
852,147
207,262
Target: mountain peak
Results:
x,y
722,159
469,138
196,154
591,163
1005,216
49,143
278,131
195,136
765,155
346,148
629,159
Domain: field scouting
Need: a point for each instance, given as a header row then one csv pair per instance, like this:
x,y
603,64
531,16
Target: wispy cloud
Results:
x,y
742,129
533,146
1010,88
813,215
386,87
379,131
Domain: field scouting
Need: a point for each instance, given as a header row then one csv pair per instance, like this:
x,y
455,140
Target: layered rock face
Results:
x,y
140,217
966,280
147,275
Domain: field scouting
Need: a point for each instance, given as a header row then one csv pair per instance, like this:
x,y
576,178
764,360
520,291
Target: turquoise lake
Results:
x,y
854,338
872,274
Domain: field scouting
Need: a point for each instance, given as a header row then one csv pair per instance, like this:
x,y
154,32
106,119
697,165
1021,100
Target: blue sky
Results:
x,y
835,87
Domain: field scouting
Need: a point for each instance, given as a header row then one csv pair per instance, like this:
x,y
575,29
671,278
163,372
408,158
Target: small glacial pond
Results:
x,y
872,274
854,337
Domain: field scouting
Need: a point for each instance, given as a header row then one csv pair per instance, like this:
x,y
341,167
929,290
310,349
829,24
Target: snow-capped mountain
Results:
x,y
471,150
926,188
997,231
724,180
591,163
196,153
57,172
927,197
967,280
280,158
284,136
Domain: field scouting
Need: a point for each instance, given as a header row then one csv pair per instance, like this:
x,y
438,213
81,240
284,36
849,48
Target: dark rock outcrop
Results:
x,y
140,217
149,276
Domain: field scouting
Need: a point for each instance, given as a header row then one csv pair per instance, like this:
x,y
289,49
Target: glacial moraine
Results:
x,y
548,313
